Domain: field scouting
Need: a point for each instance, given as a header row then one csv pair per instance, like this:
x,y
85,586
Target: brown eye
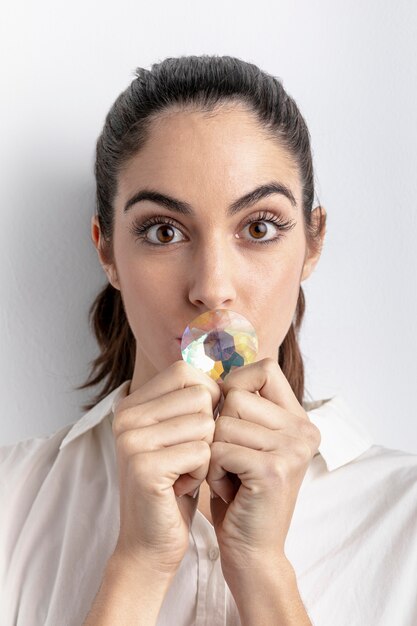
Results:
x,y
166,232
257,229
156,231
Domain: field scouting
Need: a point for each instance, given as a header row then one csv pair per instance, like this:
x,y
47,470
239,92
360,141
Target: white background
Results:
x,y
350,66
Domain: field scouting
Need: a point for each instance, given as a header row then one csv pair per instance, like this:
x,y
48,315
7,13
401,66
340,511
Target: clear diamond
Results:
x,y
218,341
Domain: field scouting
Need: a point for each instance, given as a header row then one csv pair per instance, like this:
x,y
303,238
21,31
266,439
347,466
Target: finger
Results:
x,y
245,405
267,377
258,471
249,465
197,427
177,376
172,463
257,437
189,400
219,407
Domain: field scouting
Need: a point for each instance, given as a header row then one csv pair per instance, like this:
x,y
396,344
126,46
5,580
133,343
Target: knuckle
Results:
x,y
204,393
302,452
282,468
304,428
125,443
269,364
310,433
120,420
222,427
141,465
233,393
235,396
205,450
117,426
316,435
182,371
208,423
216,448
277,468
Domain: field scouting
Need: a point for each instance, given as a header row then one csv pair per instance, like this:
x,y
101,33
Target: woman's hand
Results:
x,y
162,432
265,440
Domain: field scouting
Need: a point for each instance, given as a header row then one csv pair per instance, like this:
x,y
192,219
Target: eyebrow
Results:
x,y
179,206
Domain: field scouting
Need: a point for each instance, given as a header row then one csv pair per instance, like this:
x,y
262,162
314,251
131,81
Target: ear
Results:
x,y
108,267
312,257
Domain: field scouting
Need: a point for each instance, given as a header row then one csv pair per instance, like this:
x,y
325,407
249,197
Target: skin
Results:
x,y
207,162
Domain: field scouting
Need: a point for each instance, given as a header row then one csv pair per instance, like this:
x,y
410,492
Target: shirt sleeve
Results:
x,y
23,469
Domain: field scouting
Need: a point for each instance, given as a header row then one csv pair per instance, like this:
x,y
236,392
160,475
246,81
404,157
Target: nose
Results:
x,y
212,276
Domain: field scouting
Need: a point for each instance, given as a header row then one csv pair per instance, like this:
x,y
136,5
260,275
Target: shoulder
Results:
x,y
384,480
25,450
385,498
390,467
50,497
42,451
24,466
389,462
24,470
37,475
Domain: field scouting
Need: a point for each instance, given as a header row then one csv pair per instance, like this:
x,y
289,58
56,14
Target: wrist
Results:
x,y
127,567
279,567
257,576
268,595
130,593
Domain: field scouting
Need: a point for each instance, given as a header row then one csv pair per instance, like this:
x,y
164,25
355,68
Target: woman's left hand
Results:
x,y
266,441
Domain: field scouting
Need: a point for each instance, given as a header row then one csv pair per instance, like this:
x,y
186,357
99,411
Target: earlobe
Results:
x,y
311,260
309,264
307,269
112,276
95,231
108,268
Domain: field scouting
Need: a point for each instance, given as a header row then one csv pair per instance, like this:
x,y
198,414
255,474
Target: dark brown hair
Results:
x,y
204,83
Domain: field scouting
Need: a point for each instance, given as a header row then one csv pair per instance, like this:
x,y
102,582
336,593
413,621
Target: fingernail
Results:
x,y
212,494
195,492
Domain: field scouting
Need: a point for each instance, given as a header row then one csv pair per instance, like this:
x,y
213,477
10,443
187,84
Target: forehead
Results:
x,y
191,154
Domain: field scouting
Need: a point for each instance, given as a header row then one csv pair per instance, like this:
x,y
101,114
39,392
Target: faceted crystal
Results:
x,y
218,341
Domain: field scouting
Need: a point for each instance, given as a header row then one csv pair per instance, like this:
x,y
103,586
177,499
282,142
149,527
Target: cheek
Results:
x,y
288,284
281,294
276,304
279,278
289,269
149,290
151,294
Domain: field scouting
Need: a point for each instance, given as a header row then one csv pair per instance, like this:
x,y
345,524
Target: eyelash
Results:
x,y
139,229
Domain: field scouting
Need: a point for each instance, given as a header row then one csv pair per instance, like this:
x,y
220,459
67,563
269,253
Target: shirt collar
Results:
x,y
343,437
95,415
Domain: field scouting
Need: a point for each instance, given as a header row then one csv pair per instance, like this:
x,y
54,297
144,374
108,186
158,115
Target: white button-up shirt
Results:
x,y
352,540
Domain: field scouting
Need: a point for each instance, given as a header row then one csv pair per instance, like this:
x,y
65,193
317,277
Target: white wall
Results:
x,y
351,67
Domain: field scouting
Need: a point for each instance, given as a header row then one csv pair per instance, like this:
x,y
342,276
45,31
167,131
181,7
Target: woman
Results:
x,y
205,193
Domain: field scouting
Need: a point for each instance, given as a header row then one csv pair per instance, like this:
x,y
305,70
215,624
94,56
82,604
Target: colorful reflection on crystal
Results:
x,y
218,341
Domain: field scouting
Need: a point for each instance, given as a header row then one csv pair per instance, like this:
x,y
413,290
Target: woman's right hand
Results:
x,y
163,432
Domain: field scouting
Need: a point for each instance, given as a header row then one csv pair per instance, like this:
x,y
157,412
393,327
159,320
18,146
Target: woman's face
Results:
x,y
209,257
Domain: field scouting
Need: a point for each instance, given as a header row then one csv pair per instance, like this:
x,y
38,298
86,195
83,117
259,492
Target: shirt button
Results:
x,y
213,553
